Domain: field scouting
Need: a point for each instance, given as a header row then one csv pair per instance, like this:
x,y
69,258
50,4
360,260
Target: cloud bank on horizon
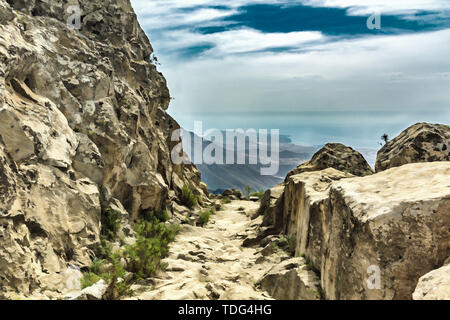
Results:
x,y
301,55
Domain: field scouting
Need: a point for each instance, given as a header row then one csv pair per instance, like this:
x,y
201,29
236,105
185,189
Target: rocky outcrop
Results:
x,y
82,115
422,142
337,156
291,280
271,207
391,227
232,194
435,285
307,212
395,222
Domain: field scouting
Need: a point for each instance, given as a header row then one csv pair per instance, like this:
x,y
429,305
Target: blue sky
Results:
x,y
255,57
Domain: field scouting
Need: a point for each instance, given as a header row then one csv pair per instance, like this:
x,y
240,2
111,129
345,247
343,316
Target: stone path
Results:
x,y
210,262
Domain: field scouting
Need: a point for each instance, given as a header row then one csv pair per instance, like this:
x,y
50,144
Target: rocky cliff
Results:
x,y
374,236
83,125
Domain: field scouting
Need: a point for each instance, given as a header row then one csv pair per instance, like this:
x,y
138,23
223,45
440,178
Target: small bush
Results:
x,y
152,245
241,209
225,200
288,243
110,223
310,266
205,215
97,265
188,198
89,279
142,259
258,194
162,216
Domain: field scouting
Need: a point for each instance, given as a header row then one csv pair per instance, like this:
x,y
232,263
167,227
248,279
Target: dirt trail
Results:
x,y
210,262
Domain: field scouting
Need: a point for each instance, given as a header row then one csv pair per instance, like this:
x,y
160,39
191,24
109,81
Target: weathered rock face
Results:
x,y
422,142
396,221
337,156
82,114
291,280
271,207
307,215
435,285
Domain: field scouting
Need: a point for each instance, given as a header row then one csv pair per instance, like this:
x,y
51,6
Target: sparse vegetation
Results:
x,y
110,223
385,138
122,267
188,198
241,209
310,266
89,279
144,257
205,215
288,243
161,216
225,200
258,194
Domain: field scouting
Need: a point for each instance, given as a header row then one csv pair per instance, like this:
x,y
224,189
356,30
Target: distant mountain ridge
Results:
x,y
221,177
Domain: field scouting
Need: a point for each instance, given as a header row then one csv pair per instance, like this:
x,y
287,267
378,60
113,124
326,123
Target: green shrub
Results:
x,y
142,259
162,216
152,245
225,200
288,243
258,194
205,215
241,209
310,266
97,265
89,279
110,223
188,198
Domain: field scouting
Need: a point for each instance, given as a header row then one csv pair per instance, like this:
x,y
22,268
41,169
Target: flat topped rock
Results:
x,y
337,156
422,142
396,222
317,183
378,195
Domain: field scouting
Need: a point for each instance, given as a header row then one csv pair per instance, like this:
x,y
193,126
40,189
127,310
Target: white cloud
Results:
x,y
407,72
175,19
238,41
367,7
402,72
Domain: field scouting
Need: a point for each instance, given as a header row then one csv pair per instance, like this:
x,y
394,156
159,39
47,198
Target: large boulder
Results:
x,y
435,285
390,229
337,156
422,142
